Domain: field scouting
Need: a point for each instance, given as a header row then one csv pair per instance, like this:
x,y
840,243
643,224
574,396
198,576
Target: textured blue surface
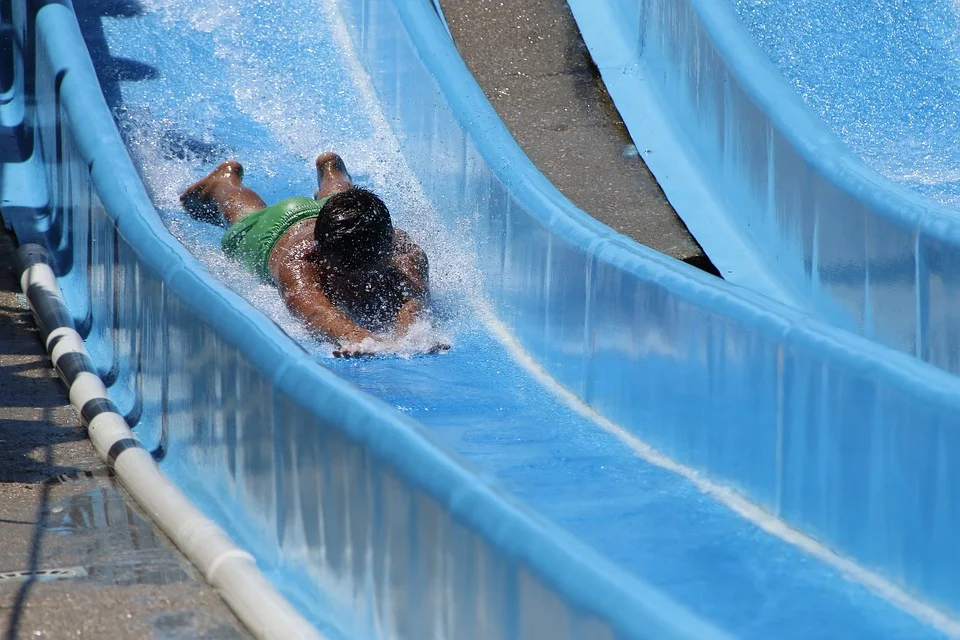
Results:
x,y
884,76
736,149
357,510
599,329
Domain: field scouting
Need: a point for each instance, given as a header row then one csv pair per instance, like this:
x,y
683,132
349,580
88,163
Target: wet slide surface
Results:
x,y
192,82
890,88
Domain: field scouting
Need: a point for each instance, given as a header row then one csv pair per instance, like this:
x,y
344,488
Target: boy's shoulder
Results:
x,y
403,244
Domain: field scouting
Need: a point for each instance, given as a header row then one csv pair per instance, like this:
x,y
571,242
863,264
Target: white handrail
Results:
x,y
232,571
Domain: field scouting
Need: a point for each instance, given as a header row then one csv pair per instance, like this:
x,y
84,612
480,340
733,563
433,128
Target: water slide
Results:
x,y
808,149
616,445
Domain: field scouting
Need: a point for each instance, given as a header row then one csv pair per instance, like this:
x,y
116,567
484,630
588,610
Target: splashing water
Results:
x,y
274,114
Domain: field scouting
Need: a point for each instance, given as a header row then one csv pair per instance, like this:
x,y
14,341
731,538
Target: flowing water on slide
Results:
x,y
884,76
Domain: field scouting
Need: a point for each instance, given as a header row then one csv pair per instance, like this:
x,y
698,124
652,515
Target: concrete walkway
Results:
x,y
530,60
96,566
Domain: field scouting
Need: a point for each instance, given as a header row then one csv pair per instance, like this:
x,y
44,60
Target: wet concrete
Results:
x,y
530,60
77,557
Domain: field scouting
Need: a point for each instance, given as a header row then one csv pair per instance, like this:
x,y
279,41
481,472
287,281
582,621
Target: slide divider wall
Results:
x,y
736,149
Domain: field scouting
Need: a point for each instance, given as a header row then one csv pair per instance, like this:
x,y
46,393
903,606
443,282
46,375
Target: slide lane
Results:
x,y
736,144
194,82
891,90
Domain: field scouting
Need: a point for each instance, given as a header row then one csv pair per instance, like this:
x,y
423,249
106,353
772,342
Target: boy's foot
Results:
x,y
332,175
198,198
330,156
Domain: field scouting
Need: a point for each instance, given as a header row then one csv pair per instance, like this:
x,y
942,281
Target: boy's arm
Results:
x,y
322,316
411,261
305,300
407,315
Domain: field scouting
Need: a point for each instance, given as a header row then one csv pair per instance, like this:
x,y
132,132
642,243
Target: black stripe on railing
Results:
x,y
119,447
48,309
72,364
94,407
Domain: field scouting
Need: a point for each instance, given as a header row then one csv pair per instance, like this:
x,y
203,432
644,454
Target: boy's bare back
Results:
x,y
339,263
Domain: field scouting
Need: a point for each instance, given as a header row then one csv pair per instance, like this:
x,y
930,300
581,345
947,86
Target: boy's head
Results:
x,y
354,229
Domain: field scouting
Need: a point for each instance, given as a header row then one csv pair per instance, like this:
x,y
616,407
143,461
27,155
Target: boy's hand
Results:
x,y
364,348
352,352
363,351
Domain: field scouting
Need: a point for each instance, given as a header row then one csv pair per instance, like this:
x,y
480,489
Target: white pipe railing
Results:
x,y
228,568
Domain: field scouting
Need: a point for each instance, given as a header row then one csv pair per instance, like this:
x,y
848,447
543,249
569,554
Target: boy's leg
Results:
x,y
221,193
332,176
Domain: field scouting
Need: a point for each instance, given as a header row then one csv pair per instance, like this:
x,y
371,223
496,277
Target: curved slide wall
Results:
x,y
754,172
273,443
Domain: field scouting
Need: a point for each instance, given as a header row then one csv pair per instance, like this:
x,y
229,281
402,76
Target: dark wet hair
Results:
x,y
354,225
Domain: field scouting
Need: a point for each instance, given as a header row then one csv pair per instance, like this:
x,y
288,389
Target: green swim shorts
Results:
x,y
255,235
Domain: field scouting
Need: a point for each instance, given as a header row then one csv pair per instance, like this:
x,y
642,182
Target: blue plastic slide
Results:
x,y
616,446
805,184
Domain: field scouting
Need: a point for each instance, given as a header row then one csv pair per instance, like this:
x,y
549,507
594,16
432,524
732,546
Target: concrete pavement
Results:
x,y
530,60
